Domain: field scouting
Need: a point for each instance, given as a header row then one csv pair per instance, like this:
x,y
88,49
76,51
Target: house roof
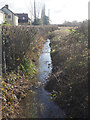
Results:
x,y
1,11
6,12
21,15
29,18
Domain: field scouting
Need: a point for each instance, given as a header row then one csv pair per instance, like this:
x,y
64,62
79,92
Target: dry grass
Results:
x,y
69,78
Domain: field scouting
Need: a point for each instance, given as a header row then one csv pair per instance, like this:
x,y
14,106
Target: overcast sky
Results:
x,y
60,10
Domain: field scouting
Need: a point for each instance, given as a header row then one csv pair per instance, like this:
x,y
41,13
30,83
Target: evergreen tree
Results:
x,y
44,18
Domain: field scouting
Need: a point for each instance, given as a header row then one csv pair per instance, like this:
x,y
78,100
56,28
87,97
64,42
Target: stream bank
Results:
x,y
69,75
21,48
38,102
17,82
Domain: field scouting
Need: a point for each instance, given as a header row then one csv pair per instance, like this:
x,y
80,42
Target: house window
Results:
x,y
9,16
23,18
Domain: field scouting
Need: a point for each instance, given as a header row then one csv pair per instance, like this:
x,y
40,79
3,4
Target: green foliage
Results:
x,y
6,24
27,67
53,51
37,22
45,20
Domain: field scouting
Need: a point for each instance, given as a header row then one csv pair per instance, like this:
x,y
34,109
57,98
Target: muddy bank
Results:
x,y
69,75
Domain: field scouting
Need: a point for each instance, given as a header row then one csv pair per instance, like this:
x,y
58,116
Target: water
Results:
x,y
39,104
45,63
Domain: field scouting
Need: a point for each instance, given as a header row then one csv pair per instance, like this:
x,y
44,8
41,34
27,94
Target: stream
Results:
x,y
38,103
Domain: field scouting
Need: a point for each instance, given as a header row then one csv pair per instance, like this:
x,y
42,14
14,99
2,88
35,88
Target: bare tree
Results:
x,y
30,9
34,10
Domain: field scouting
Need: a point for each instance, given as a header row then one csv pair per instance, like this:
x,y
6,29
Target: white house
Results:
x,y
10,17
2,17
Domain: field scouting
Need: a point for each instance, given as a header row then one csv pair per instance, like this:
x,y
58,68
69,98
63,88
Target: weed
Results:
x,y
27,67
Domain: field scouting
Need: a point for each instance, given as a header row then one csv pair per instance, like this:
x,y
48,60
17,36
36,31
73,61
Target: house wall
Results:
x,y
15,20
12,20
1,18
8,20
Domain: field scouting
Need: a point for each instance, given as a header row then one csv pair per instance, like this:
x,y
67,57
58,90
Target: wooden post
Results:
x,y
4,59
4,48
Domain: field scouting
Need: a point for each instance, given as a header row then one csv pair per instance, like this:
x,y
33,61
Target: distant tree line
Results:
x,y
75,23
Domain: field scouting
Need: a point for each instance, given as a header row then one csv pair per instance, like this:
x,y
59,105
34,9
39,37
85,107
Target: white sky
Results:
x,y
60,10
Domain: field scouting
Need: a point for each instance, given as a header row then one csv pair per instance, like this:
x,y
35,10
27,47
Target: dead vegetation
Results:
x,y
22,46
68,81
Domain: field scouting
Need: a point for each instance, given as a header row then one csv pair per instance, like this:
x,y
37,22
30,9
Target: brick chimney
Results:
x,y
6,6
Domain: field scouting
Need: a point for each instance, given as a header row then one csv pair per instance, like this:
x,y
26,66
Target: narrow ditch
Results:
x,y
38,103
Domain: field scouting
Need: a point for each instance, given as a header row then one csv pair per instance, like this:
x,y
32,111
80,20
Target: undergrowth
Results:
x,y
15,85
27,67
68,82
